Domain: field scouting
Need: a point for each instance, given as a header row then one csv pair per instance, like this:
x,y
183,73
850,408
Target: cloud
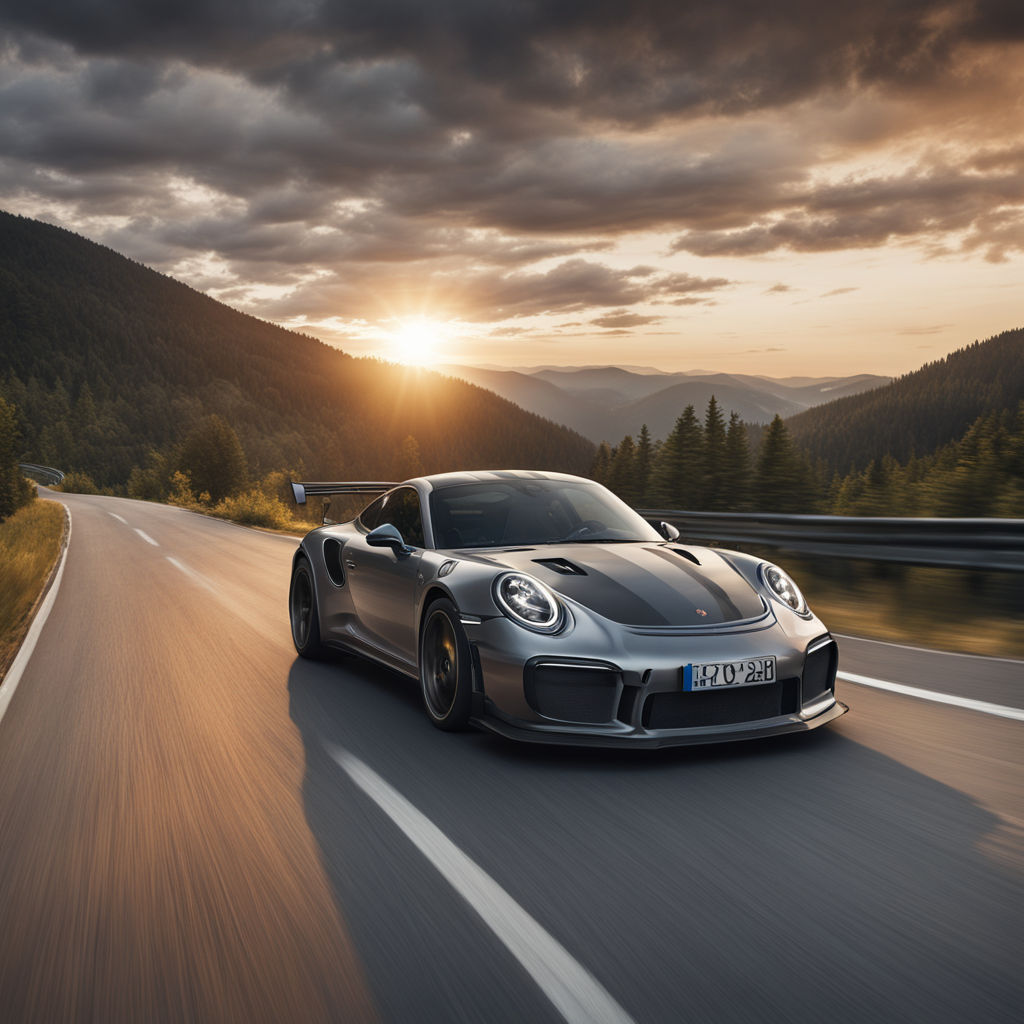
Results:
x,y
621,318
476,156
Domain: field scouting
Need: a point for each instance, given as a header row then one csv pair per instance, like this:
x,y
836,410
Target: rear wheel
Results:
x,y
446,676
303,612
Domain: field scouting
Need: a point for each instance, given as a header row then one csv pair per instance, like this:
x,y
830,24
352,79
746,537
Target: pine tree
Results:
x,y
737,465
715,486
644,457
678,471
623,474
602,467
781,483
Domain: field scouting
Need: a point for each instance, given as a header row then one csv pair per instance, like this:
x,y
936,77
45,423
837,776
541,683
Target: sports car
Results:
x,y
542,607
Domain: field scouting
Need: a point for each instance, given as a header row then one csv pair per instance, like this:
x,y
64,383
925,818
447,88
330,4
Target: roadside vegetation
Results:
x,y
30,542
946,609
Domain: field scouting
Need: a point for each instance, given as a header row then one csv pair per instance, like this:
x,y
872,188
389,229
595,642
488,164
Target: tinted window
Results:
x,y
402,510
502,512
372,516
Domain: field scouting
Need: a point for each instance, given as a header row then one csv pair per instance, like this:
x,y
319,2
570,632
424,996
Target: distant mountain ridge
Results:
x,y
919,412
605,403
108,360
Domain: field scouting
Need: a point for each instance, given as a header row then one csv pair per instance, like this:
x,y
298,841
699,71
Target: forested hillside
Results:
x,y
107,362
919,413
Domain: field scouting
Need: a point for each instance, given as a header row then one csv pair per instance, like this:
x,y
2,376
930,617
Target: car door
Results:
x,y
383,583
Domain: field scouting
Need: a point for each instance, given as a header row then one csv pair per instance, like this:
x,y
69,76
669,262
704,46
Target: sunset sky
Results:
x,y
782,188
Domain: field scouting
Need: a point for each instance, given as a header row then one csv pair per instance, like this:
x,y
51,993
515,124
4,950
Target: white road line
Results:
x,y
120,519
927,650
192,574
146,537
20,663
577,995
939,698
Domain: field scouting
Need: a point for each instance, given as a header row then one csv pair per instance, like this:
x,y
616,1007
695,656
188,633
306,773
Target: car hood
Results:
x,y
639,584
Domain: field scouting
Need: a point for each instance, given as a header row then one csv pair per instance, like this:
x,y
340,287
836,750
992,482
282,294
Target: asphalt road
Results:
x,y
179,842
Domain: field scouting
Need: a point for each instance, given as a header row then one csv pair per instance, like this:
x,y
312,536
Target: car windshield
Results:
x,y
499,513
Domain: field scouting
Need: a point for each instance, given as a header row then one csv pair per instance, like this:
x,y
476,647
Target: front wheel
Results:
x,y
446,675
303,611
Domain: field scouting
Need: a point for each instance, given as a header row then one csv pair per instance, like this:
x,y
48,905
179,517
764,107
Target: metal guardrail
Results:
x,y
985,544
48,473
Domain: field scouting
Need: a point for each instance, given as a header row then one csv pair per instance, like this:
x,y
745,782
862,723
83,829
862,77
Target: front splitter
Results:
x,y
653,739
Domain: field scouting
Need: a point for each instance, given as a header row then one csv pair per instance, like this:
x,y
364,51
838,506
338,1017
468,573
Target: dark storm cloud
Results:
x,y
472,137
627,61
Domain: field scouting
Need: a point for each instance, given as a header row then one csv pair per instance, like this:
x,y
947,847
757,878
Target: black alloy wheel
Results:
x,y
303,613
445,670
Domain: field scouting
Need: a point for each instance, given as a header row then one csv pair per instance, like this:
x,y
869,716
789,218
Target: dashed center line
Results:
x,y
191,574
577,995
146,537
120,519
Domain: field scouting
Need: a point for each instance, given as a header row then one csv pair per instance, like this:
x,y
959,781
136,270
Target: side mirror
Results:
x,y
387,536
668,531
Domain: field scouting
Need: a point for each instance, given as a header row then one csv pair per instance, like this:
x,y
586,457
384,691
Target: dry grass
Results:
x,y
947,609
30,541
254,508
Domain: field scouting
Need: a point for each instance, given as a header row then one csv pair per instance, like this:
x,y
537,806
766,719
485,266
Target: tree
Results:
x,y
642,474
213,459
678,471
623,474
715,486
736,468
409,462
782,479
602,467
15,490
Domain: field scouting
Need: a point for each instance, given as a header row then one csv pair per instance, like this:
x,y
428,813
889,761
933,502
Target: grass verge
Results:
x,y
946,609
30,543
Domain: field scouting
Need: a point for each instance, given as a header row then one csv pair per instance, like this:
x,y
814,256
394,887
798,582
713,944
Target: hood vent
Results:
x,y
686,554
560,565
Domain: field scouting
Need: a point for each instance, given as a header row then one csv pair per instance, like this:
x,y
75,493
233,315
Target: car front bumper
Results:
x,y
608,685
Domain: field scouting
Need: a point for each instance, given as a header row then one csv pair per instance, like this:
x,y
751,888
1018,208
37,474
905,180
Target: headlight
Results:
x,y
528,602
782,587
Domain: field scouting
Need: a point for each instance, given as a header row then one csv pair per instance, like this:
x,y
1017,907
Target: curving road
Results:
x,y
197,826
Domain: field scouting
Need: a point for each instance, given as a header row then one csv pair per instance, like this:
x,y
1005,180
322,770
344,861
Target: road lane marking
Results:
x,y
927,650
10,682
577,995
146,537
939,698
192,574
120,519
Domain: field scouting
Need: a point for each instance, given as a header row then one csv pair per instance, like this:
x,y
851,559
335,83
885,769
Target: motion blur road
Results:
x,y
179,840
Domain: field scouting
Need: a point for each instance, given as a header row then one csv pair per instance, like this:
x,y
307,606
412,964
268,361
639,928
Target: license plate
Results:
x,y
717,675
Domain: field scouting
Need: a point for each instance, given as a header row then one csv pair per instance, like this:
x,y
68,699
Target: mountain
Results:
x,y
608,402
919,412
107,361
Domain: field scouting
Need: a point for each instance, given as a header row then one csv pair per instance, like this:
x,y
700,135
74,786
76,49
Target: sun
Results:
x,y
416,342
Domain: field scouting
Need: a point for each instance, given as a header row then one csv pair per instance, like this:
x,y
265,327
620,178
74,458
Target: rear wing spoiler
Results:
x,y
305,489
300,491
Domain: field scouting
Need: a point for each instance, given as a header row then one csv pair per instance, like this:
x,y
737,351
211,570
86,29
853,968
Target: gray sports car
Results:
x,y
543,608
